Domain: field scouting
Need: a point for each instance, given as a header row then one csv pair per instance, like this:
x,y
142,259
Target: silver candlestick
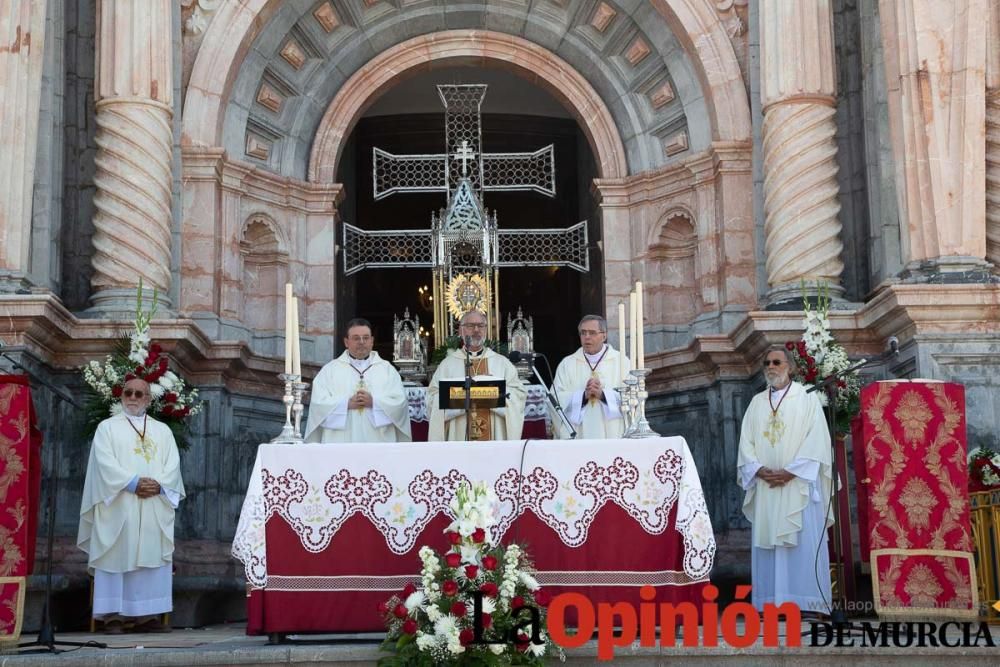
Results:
x,y
623,401
298,389
641,426
631,404
289,434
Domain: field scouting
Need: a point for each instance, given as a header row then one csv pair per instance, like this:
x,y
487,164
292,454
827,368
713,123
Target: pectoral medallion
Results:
x,y
775,429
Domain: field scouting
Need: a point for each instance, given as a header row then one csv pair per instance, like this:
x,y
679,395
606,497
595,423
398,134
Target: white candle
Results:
x,y
640,331
296,358
621,337
632,329
288,328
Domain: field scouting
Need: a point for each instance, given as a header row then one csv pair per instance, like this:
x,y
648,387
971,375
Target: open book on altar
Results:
x,y
487,391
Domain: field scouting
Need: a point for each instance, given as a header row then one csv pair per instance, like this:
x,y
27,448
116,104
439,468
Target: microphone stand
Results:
x,y
838,614
46,635
552,399
467,385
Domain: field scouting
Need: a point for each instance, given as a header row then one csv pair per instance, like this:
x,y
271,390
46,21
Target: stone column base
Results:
x,y
119,303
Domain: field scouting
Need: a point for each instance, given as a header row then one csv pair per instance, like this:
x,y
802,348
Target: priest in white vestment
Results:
x,y
585,381
132,488
358,397
488,424
785,467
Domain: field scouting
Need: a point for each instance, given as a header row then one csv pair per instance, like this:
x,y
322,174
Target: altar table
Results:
x,y
328,531
537,420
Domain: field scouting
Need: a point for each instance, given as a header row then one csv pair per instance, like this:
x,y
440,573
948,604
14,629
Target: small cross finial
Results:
x,y
464,153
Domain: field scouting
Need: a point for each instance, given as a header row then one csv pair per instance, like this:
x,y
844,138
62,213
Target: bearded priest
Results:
x,y
785,467
132,488
358,397
585,379
487,423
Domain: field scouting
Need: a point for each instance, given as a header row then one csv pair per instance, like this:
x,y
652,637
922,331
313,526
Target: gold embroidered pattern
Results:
x,y
12,464
775,429
913,414
7,393
144,447
922,587
919,500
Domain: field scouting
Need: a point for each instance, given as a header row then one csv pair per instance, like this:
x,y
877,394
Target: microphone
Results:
x,y
893,345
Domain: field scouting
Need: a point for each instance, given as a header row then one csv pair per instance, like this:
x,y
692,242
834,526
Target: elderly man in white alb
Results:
x,y
487,424
358,397
132,488
585,379
785,468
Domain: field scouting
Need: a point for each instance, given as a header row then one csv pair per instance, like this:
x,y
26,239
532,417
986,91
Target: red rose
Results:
x,y
542,598
471,571
478,536
183,412
383,609
116,391
155,349
489,589
408,590
459,609
465,637
522,642
453,537
410,627
487,621
170,397
490,563
453,559
167,411
518,601
400,610
449,587
789,346
139,370
129,377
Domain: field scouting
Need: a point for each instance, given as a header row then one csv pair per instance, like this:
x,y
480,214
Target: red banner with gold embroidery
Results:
x,y
20,473
912,475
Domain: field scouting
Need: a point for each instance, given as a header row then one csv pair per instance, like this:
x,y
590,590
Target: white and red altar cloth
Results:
x,y
329,531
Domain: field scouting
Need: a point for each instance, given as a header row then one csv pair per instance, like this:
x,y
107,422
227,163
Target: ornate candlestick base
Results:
x,y
624,396
630,405
289,434
641,427
298,389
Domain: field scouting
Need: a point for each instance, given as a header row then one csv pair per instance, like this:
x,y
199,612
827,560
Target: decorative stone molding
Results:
x,y
676,144
268,97
993,133
22,36
662,95
637,51
258,147
602,17
293,54
134,100
326,16
801,193
935,56
198,15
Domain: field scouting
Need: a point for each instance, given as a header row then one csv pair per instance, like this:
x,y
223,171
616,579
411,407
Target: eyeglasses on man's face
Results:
x,y
359,339
590,333
773,362
474,325
138,393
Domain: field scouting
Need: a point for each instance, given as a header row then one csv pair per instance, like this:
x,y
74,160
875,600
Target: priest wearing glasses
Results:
x,y
785,468
358,397
132,488
585,382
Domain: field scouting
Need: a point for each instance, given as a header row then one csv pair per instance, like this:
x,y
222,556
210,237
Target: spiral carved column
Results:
x,y
798,90
132,223
993,179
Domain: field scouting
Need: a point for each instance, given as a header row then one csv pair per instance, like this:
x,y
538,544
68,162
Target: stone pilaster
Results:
x,y
134,99
993,134
22,48
935,74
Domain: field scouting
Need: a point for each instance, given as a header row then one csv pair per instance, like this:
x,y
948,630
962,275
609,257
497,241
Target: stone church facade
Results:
x,y
738,150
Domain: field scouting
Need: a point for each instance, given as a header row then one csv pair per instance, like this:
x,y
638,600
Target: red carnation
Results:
x,y
489,589
453,559
155,349
518,601
522,642
170,397
167,411
459,609
487,621
789,346
116,391
490,563
408,590
542,597
478,535
139,370
400,610
129,377
449,587
410,627
453,537
471,571
149,377
465,637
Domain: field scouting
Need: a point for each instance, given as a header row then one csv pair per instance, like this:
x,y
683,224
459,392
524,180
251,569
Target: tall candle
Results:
x,y
296,358
640,331
631,329
288,328
621,337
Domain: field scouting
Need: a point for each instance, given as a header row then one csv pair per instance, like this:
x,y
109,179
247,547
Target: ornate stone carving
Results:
x,y
293,54
326,16
199,15
675,144
993,179
409,349
602,17
662,95
801,193
637,51
134,146
258,147
269,97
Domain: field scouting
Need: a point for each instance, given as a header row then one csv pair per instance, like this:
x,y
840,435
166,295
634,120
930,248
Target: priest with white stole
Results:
x,y
487,423
132,488
585,380
359,396
785,467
